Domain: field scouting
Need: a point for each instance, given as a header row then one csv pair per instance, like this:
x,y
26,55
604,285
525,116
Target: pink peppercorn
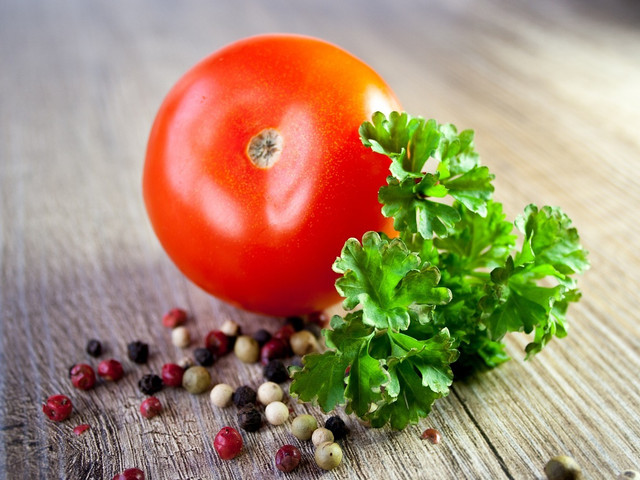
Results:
x,y
82,376
80,429
150,407
174,318
172,375
130,474
57,407
217,343
274,348
110,370
432,435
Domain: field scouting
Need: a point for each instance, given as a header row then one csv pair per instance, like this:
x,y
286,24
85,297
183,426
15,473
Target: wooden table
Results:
x,y
552,89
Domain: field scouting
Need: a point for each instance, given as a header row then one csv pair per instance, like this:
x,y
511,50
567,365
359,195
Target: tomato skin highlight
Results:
x,y
264,239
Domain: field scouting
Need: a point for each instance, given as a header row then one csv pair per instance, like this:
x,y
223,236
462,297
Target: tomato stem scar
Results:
x,y
264,149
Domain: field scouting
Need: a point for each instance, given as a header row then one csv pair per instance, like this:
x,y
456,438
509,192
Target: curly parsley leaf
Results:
x,y
387,280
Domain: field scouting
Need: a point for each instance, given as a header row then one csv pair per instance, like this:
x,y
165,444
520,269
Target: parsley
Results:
x,y
442,295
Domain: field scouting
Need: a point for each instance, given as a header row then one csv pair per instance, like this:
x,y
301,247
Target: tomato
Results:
x,y
255,175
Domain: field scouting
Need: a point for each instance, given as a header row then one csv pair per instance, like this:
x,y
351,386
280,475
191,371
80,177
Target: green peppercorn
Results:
x,y
562,467
196,379
303,426
328,455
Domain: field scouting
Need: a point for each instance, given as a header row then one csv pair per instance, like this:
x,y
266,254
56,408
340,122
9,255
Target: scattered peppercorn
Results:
x,y
296,322
180,337
269,392
94,348
273,349
228,443
221,395
203,356
303,342
57,407
432,435
302,426
275,371
150,407
249,418
246,349
110,370
186,362
80,429
196,380
277,413
130,474
150,384
628,475
138,352
337,427
287,458
217,342
244,395
82,376
284,333
321,435
174,318
328,455
172,374
262,336
562,467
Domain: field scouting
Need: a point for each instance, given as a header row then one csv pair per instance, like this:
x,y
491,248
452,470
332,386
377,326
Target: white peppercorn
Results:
x,y
277,413
246,349
180,337
303,342
221,394
321,435
269,392
230,328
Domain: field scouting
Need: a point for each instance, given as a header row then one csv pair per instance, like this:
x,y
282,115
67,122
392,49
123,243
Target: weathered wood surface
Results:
x,y
552,89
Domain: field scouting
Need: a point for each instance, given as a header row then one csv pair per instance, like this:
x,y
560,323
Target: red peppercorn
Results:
x,y
285,332
130,474
82,376
150,407
57,407
432,435
287,458
174,317
80,429
217,342
110,370
228,443
172,374
274,348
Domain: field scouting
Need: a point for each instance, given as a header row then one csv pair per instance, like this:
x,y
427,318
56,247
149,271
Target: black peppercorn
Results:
x,y
337,427
275,371
244,395
94,348
262,336
138,352
150,384
296,322
203,356
249,418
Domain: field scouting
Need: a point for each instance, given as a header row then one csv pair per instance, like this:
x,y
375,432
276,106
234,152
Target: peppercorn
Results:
x,y
337,427
302,426
82,376
150,384
80,429
130,474
321,435
288,458
273,349
221,395
180,337
110,370
628,475
244,395
277,413
246,349
203,356
269,392
262,336
296,322
174,318
275,371
138,352
57,407
196,380
328,455
218,342
150,407
230,328
303,342
94,348
562,467
172,375
249,418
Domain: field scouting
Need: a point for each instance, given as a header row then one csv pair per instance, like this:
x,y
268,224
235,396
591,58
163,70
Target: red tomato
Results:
x,y
255,175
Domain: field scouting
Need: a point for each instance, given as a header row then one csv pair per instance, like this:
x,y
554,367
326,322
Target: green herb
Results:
x,y
447,289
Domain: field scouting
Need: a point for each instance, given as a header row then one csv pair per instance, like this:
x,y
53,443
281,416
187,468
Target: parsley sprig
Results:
x,y
446,290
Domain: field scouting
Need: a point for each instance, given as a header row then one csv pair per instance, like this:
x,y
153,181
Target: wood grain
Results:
x,y
552,89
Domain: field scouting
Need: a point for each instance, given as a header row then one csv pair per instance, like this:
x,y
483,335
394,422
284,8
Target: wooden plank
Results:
x,y
551,89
